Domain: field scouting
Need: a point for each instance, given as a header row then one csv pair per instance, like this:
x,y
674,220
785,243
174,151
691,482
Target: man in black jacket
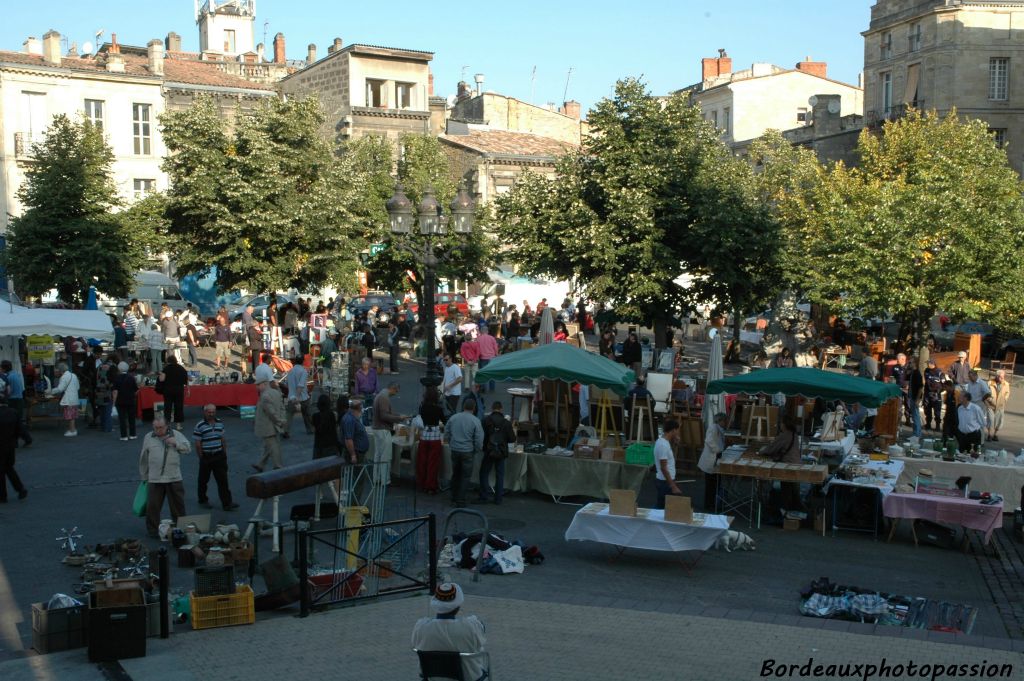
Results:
x,y
10,427
497,436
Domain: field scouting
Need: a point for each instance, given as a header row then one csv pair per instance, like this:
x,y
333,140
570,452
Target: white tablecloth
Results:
x,y
886,485
648,530
1003,480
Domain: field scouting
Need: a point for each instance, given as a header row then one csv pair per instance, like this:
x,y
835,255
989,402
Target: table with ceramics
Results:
x,y
995,478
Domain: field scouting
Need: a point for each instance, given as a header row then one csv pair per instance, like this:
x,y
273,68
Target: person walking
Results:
x,y
488,351
297,380
67,387
222,340
125,394
157,346
325,429
498,434
174,380
106,373
212,450
16,397
451,383
465,437
429,450
999,395
665,461
160,468
171,329
269,422
393,348
10,430
933,380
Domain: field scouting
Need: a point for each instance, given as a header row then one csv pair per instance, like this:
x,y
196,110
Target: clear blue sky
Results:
x,y
601,40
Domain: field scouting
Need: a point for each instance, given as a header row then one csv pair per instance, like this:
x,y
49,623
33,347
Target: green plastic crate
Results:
x,y
641,453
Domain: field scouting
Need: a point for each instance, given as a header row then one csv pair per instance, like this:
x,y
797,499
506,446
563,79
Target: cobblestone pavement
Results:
x,y
529,640
89,481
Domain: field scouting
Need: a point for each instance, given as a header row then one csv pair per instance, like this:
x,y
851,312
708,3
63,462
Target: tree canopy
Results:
x,y
68,238
931,221
261,198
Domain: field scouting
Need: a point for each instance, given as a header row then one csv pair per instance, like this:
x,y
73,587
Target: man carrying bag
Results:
x,y
497,436
160,468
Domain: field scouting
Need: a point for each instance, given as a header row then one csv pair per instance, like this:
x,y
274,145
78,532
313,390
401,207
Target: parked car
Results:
x,y
443,302
360,305
260,305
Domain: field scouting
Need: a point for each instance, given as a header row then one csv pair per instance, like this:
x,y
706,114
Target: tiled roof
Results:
x,y
509,143
175,70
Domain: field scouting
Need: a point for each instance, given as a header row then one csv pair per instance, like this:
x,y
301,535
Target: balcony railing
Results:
x,y
895,112
23,142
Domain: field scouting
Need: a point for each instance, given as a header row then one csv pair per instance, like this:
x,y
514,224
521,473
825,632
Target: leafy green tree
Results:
x,y
68,238
423,164
146,225
931,221
261,198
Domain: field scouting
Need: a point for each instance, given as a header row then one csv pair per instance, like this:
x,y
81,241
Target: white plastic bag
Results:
x,y
510,560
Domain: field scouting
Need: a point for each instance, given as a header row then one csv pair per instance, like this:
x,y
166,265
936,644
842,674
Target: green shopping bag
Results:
x,y
141,497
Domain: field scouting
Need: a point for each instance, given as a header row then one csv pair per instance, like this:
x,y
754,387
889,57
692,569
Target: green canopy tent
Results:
x,y
810,383
559,362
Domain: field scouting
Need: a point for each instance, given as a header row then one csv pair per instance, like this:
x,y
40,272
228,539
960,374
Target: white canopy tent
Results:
x,y
17,321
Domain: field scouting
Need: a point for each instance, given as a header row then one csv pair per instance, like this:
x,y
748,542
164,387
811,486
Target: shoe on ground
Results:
x,y
231,507
124,439
133,437
71,433
205,504
22,494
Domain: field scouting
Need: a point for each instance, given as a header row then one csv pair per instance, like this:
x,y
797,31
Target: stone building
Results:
x,y
499,112
830,134
369,90
945,54
745,104
122,91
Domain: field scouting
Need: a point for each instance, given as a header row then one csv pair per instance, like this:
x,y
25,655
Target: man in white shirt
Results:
x,y
665,461
447,632
451,384
971,423
297,380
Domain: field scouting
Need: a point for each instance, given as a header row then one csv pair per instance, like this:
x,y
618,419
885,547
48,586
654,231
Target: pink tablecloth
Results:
x,y
966,513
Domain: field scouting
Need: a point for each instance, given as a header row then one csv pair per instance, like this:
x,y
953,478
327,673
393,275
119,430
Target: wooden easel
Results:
x,y
641,421
606,418
758,419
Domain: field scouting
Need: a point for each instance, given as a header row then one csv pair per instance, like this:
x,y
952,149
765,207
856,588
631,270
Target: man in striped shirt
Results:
x,y
131,322
212,447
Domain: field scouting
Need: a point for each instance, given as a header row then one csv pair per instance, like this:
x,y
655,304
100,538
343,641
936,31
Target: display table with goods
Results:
x,y
861,474
515,469
648,529
982,516
220,394
741,475
1006,480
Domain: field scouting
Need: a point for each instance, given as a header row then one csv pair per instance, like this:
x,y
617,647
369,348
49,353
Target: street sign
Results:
x,y
376,248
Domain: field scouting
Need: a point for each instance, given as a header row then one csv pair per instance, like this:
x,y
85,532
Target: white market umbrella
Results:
x,y
546,334
713,404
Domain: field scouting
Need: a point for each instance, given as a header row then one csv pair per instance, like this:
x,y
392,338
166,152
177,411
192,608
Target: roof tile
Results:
x,y
510,143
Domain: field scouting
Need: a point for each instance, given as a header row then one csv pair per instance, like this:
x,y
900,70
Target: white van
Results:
x,y
152,288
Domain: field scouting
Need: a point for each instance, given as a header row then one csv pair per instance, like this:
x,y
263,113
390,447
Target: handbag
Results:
x,y
141,499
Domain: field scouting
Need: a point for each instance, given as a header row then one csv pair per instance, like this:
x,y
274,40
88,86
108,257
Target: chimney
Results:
x,y
51,47
335,46
479,79
712,67
115,62
173,42
32,46
815,68
279,48
571,109
155,53
310,53
114,47
463,91
260,52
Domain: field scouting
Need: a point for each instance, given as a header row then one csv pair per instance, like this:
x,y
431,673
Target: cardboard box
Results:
x,y
791,524
613,454
582,451
120,592
678,509
59,629
622,502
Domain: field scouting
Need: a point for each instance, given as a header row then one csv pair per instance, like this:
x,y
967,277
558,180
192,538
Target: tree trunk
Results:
x,y
660,326
737,325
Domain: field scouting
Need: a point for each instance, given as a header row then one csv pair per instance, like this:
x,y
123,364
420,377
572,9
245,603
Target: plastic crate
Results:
x,y
641,453
215,581
223,611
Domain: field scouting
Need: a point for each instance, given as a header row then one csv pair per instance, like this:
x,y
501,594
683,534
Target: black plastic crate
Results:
x,y
116,633
215,581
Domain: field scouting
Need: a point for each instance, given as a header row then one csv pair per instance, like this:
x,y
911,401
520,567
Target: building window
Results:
x,y
229,41
886,52
142,188
726,115
801,115
998,78
886,92
375,93
915,37
141,132
403,95
714,118
999,135
33,117
94,113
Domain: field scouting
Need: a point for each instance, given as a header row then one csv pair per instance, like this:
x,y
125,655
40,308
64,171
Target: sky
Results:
x,y
536,51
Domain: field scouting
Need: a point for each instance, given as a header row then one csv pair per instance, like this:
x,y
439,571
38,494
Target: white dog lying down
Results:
x,y
732,540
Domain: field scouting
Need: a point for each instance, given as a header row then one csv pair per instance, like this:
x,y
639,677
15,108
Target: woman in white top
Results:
x,y
714,445
67,388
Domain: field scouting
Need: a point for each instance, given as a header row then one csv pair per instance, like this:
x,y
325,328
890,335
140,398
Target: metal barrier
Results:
x,y
376,551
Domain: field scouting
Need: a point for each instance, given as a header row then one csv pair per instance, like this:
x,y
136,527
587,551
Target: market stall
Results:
x,y
17,321
220,394
1006,481
808,382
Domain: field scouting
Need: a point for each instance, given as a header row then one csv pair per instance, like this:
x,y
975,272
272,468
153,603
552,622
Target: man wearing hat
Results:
x,y
451,633
960,370
269,421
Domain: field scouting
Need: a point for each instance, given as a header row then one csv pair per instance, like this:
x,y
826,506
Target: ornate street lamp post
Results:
x,y
433,224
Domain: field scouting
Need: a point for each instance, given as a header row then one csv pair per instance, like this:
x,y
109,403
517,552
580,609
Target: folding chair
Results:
x,y
445,664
